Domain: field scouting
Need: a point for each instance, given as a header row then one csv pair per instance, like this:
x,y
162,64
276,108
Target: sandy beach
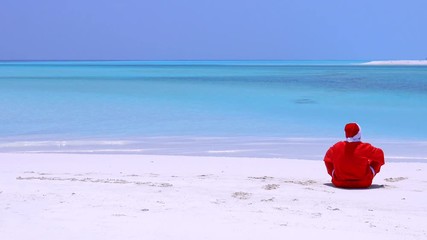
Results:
x,y
88,196
398,63
210,120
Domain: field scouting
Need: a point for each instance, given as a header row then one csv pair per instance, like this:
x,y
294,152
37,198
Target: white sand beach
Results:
x,y
88,196
398,62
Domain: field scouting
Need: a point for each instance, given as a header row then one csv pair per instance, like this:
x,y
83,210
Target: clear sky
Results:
x,y
213,29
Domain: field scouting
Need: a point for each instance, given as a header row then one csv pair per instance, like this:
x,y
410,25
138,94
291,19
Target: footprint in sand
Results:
x,y
118,215
271,186
264,178
206,176
304,183
268,200
316,215
330,208
242,195
98,180
132,175
218,201
397,179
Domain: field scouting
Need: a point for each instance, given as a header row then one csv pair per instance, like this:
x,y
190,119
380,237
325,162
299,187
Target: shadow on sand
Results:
x,y
373,186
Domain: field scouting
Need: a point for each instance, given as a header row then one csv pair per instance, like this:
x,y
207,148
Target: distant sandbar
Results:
x,y
398,63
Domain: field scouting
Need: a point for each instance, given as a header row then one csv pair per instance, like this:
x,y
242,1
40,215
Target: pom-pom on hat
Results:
x,y
352,132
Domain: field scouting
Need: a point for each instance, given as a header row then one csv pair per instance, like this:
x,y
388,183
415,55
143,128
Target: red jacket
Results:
x,y
353,164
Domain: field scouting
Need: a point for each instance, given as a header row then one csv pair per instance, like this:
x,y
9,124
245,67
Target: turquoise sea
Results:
x,y
233,108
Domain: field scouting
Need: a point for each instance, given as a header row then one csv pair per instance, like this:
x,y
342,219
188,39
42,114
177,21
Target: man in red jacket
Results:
x,y
352,163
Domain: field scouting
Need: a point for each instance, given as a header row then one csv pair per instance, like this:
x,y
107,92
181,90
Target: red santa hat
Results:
x,y
353,132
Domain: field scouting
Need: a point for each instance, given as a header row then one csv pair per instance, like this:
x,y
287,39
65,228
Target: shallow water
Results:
x,y
133,101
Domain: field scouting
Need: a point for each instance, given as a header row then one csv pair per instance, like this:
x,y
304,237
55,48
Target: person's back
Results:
x,y
352,163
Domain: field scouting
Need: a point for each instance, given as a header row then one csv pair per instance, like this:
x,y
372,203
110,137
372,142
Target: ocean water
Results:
x,y
248,108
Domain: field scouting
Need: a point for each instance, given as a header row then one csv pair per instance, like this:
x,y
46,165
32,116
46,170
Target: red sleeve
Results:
x,y
376,159
329,160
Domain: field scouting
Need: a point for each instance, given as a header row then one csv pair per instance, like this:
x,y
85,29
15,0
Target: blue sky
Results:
x,y
213,29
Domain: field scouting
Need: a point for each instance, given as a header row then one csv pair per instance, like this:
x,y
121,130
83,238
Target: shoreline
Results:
x,y
89,196
250,147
